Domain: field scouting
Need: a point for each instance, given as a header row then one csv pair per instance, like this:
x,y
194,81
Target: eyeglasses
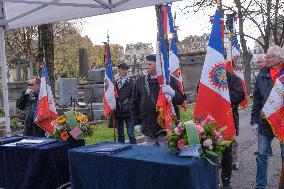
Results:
x,y
30,84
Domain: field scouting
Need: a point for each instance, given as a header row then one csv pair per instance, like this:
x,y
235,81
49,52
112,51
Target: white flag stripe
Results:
x,y
159,61
174,62
275,100
212,59
50,98
42,91
109,94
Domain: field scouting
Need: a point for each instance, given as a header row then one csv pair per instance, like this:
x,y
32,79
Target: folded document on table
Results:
x,y
6,140
34,142
108,148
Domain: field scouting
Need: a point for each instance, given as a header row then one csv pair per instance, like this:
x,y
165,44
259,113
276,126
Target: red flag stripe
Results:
x,y
276,121
220,109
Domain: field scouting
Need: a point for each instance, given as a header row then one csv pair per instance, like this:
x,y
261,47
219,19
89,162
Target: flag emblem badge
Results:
x,y
237,65
218,77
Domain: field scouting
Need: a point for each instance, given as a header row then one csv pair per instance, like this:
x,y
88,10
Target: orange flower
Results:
x,y
61,119
79,117
64,136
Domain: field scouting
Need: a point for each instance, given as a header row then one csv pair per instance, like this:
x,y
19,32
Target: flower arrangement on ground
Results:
x,y
72,125
210,137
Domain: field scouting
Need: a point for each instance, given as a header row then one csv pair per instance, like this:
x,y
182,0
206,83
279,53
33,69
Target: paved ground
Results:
x,y
245,177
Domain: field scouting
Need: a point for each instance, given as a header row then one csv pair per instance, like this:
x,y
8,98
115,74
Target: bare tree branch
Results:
x,y
255,39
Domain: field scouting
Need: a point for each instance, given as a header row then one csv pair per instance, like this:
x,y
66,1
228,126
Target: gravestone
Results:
x,y
98,110
92,92
15,90
67,88
19,67
191,67
83,62
97,76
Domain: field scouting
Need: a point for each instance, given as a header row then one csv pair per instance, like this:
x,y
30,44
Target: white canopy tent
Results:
x,y
21,13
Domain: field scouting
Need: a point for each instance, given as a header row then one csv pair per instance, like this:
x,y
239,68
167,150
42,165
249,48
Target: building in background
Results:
x,y
135,55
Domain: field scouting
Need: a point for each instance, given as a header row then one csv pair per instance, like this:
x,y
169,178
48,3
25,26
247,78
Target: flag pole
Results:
x,y
113,124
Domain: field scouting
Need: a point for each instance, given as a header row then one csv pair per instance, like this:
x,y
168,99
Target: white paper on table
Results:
x,y
191,151
31,141
10,144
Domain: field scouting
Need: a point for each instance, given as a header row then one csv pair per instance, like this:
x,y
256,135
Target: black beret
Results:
x,y
123,66
151,57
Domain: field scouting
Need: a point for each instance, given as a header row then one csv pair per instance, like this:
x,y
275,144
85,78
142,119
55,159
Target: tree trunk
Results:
x,y
247,56
46,50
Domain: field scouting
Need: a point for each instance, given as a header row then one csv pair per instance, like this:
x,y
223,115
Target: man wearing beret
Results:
x,y
145,95
124,86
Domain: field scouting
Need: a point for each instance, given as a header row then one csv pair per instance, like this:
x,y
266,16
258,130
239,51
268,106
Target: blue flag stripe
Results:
x,y
215,40
108,65
163,48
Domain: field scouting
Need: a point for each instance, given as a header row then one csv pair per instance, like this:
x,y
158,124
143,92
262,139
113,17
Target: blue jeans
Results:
x,y
129,128
264,143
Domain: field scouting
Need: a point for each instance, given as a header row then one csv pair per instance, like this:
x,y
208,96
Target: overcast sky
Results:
x,y
139,25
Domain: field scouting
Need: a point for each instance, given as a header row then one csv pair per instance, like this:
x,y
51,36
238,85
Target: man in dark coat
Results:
x,y
261,63
145,97
237,95
124,86
262,88
28,103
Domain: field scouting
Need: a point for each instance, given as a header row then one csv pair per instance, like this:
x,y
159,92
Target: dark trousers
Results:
x,y
227,160
129,127
31,129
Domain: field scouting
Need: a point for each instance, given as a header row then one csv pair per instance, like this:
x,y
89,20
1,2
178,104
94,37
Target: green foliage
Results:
x,y
67,41
103,133
67,44
2,113
207,130
17,124
86,129
212,153
21,39
188,114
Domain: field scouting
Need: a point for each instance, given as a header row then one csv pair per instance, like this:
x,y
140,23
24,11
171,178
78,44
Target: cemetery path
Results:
x,y
245,177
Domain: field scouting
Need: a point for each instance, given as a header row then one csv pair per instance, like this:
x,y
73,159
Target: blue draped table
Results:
x,y
142,167
34,167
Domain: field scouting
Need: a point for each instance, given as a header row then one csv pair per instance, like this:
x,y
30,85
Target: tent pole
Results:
x,y
4,70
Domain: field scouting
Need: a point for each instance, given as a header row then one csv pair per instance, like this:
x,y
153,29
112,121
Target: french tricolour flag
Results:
x,y
273,109
213,94
235,65
174,66
109,101
46,109
164,106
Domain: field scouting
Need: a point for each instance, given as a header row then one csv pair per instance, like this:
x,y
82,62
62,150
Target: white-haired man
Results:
x,y
263,85
262,63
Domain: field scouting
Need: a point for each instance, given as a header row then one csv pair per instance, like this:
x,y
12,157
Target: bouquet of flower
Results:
x,y
72,125
177,139
211,139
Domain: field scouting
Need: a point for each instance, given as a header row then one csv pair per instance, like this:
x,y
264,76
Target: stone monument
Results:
x,y
83,63
67,88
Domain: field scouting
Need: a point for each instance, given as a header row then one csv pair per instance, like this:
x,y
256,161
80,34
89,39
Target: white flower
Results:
x,y
208,143
177,131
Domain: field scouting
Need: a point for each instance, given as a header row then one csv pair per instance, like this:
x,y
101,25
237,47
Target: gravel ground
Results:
x,y
245,177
